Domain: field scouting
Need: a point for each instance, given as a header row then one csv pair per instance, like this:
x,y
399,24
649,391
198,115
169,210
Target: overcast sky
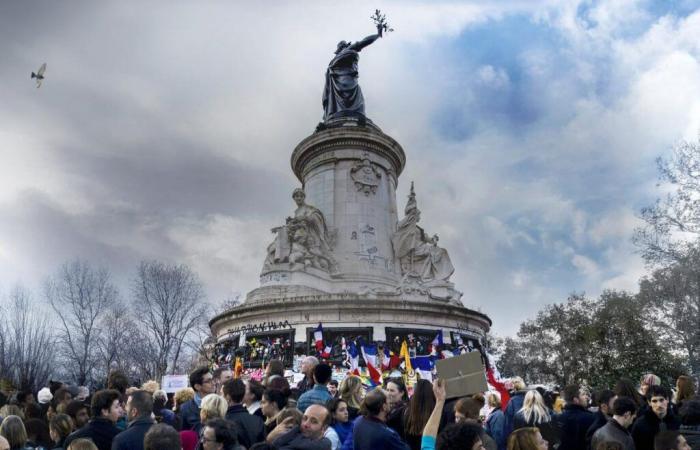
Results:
x,y
164,130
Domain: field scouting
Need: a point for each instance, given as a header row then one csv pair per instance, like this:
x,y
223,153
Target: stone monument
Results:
x,y
344,259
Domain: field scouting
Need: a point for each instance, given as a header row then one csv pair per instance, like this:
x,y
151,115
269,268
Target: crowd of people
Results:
x,y
222,412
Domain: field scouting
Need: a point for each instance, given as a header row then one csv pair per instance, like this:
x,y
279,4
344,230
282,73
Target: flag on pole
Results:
x,y
369,354
238,368
326,353
423,365
404,353
318,338
353,356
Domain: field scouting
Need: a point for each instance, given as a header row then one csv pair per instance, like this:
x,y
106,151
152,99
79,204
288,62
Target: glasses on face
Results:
x,y
207,380
204,440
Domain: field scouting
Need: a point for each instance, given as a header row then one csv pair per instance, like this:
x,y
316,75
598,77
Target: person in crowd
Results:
x,y
467,410
212,406
162,436
11,410
670,440
517,397
253,394
624,411
44,396
82,444
251,428
495,421
139,407
4,444
604,399
83,393
318,394
61,399
625,388
351,393
181,397
527,438
535,414
690,422
12,429
430,430
106,410
575,420
32,411
647,381
221,375
273,401
333,388
310,435
37,433
685,390
59,429
150,386
308,365
398,399
118,381
417,413
160,409
219,434
24,398
282,385
370,430
340,420
658,417
203,383
78,411
274,369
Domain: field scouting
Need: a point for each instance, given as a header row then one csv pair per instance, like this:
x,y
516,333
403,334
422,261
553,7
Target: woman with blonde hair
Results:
x,y
351,393
527,439
534,414
213,406
12,429
60,427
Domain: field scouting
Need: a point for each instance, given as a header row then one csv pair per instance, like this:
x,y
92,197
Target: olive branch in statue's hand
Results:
x,y
381,23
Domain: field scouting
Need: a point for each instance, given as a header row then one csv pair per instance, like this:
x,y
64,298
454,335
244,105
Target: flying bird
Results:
x,y
39,75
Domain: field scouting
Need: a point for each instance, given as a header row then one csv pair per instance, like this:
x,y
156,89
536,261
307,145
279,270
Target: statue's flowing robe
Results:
x,y
425,259
406,237
342,95
315,225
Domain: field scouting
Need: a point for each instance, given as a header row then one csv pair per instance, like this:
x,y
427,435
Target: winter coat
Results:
x,y
514,405
251,428
100,430
294,440
647,425
613,432
574,422
189,414
691,433
600,421
549,430
495,427
370,433
132,437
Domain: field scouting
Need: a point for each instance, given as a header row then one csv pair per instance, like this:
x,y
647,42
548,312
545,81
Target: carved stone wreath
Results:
x,y
366,176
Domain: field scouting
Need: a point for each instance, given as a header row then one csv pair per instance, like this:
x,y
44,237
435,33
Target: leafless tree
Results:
x,y
80,296
27,341
169,304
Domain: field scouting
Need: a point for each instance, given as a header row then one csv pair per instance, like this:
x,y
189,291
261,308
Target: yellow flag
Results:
x,y
238,368
407,359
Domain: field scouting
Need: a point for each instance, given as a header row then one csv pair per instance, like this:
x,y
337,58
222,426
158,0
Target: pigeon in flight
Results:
x,y
39,75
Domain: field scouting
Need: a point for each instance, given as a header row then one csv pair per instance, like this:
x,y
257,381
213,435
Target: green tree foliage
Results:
x,y
590,341
671,297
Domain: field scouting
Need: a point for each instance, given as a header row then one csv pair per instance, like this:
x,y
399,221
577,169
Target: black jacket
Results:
x,y
647,425
251,428
692,435
189,415
600,421
101,431
132,437
294,440
574,422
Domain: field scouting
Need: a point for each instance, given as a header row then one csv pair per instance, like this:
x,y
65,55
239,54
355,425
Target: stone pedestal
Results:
x,y
349,172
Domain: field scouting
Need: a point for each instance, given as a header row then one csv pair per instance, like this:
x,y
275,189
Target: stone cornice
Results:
x,y
359,138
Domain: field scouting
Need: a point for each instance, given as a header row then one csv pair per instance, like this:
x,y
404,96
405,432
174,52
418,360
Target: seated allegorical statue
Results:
x,y
419,255
304,239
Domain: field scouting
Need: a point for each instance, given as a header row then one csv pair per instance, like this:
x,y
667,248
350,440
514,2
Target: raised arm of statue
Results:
x,y
359,45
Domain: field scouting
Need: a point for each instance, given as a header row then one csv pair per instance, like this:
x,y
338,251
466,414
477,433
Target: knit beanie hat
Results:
x,y
651,380
44,396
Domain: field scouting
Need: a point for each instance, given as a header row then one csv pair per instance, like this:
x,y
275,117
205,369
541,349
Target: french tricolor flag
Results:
x,y
369,353
318,338
353,356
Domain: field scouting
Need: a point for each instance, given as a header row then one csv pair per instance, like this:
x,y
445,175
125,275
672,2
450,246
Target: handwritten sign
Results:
x,y
173,383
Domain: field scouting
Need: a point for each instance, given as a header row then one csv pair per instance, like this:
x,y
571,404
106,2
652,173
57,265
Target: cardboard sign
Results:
x,y
463,374
173,383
